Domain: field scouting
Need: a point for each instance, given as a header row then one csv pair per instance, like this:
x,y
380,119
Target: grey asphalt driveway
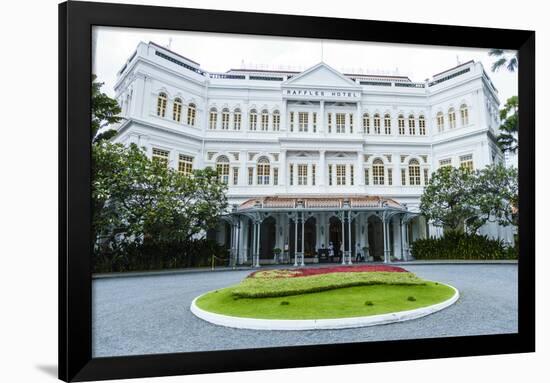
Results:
x,y
150,314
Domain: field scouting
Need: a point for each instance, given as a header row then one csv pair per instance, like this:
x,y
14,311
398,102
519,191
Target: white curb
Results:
x,y
319,324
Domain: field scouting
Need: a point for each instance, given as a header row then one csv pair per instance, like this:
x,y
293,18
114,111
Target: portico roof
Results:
x,y
324,202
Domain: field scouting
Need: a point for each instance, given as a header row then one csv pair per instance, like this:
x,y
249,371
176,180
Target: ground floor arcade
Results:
x,y
273,230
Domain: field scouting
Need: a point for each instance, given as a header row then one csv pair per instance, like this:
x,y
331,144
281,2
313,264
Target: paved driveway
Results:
x,y
150,314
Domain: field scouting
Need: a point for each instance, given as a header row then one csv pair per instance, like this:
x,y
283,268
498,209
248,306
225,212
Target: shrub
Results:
x,y
368,303
157,255
280,287
411,299
454,245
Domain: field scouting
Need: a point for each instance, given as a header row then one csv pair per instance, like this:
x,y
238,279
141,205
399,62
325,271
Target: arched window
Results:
x,y
276,120
378,172
253,119
377,123
265,120
191,114
213,120
263,170
237,119
414,172
422,125
452,118
412,126
440,122
464,114
366,123
222,167
176,115
161,104
387,124
401,124
225,119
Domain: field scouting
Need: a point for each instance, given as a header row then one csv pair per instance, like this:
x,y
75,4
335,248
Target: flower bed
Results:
x,y
294,273
279,283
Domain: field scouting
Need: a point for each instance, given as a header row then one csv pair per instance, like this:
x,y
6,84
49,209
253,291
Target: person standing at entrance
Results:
x,y
331,251
358,253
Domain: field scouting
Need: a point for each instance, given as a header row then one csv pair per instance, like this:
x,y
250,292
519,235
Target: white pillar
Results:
x,y
359,169
385,238
343,241
321,168
296,240
282,168
396,238
284,116
349,238
303,244
321,121
259,224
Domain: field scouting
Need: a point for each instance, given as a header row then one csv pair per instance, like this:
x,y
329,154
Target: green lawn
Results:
x,y
334,303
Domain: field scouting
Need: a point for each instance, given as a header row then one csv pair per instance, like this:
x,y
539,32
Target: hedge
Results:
x,y
462,246
281,287
156,255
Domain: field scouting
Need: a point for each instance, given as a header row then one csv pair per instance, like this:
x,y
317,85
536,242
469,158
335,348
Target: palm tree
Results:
x,y
510,61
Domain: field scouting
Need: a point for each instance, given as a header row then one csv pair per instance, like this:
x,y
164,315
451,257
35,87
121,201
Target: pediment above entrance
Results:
x,y
321,82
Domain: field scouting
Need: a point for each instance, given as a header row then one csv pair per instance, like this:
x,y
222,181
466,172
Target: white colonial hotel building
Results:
x,y
313,157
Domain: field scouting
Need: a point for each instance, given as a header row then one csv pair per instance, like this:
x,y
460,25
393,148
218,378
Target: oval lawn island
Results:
x,y
323,298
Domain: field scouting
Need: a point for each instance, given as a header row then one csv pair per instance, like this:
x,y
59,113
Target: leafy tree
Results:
x,y
136,199
496,191
105,111
446,199
509,61
507,139
458,198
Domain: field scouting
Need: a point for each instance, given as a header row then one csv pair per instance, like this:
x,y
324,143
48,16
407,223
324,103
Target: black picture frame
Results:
x,y
76,20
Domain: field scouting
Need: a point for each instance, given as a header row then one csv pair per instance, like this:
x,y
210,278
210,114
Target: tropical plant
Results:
x,y
137,200
454,245
446,199
460,198
507,139
504,59
105,112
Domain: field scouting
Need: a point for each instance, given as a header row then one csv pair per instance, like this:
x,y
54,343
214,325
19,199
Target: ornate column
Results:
x,y
343,242
253,243
384,231
367,253
321,121
303,244
350,251
359,171
359,118
283,126
259,231
321,168
296,240
282,168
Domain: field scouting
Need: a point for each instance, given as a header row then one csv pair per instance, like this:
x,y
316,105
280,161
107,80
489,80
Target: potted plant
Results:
x,y
277,252
367,254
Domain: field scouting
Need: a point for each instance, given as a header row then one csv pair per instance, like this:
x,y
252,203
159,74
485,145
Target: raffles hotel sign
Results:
x,y
322,94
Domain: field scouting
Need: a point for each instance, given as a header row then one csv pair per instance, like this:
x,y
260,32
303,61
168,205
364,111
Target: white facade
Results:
x,y
314,133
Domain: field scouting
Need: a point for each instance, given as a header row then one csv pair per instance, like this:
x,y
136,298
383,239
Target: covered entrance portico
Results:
x,y
294,230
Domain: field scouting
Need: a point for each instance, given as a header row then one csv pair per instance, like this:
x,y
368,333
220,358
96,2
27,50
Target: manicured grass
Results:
x,y
263,287
336,303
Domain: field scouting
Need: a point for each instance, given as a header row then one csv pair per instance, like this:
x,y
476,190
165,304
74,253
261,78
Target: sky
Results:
x,y
217,52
